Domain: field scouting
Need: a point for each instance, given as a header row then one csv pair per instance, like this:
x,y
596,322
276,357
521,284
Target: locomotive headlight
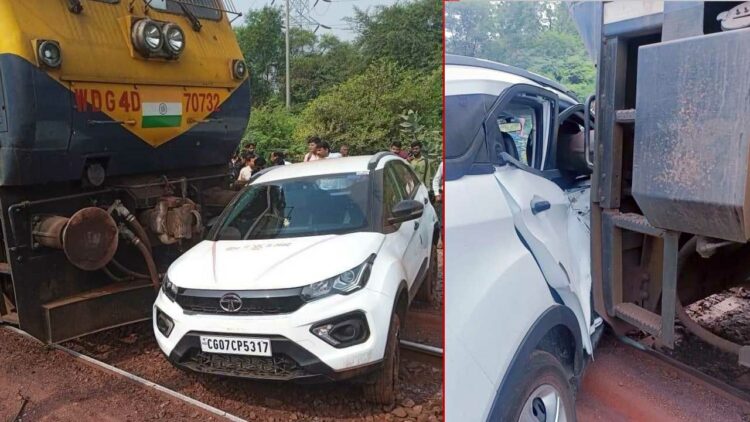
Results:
x,y
239,69
147,37
175,38
49,53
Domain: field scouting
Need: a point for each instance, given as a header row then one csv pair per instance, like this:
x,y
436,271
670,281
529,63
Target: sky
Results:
x,y
330,13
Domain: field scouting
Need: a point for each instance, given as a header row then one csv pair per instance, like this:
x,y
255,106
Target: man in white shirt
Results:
x,y
246,171
437,189
437,183
343,152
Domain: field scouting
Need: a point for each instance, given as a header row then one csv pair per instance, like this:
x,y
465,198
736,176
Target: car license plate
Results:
x,y
236,345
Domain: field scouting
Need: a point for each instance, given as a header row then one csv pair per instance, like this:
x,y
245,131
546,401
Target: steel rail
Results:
x,y
134,378
711,382
422,348
425,349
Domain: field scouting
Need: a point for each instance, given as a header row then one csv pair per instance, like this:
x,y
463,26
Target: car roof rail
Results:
x,y
376,159
260,173
453,59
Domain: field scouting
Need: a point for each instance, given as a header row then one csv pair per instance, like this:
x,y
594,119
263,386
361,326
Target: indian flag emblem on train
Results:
x,y
161,115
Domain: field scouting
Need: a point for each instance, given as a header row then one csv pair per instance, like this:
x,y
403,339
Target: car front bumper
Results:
x,y
298,354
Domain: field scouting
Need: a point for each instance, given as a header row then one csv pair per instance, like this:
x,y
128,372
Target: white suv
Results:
x,y
519,323
306,275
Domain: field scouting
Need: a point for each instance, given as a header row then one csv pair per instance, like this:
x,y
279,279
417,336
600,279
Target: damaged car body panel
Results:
x,y
517,178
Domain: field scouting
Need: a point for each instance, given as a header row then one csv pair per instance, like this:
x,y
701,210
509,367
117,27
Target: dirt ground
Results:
x,y
73,390
134,349
42,384
425,326
624,384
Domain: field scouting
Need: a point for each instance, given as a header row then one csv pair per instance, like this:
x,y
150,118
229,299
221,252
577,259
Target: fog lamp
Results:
x,y
164,323
343,331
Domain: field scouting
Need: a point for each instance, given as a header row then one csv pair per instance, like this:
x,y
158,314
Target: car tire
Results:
x,y
383,389
428,291
544,385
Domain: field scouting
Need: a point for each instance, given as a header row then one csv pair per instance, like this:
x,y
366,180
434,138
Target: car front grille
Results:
x,y
253,302
279,366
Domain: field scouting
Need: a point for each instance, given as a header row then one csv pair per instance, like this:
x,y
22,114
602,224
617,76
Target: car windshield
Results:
x,y
309,206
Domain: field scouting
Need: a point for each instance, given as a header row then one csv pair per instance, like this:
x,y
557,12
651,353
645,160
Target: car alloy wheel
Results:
x,y
545,404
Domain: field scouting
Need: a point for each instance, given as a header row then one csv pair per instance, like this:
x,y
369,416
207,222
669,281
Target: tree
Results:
x,y
467,26
319,63
272,127
409,34
262,43
364,112
344,91
537,36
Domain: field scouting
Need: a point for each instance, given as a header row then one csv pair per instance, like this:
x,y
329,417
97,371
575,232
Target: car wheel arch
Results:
x,y
557,323
401,301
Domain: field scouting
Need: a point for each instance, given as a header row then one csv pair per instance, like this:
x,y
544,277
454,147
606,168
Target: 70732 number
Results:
x,y
201,102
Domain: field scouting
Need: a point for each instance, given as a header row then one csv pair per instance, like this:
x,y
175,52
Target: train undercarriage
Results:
x,y
69,253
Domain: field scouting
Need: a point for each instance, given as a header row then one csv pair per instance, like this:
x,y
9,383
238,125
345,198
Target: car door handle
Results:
x,y
539,204
416,225
425,200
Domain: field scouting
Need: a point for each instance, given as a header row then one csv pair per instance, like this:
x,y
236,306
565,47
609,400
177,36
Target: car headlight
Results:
x,y
147,37
169,289
347,282
174,39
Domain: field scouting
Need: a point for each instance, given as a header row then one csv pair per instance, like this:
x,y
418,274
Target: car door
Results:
x,y
414,189
406,235
541,210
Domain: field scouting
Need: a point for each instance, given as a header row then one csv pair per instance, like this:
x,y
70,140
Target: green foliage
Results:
x,y
536,36
262,43
364,112
271,127
318,63
409,34
346,92
412,129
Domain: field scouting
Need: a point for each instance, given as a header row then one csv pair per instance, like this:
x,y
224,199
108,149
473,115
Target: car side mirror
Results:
x,y
408,209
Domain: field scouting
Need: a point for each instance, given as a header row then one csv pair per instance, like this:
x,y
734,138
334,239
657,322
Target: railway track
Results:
x,y
132,377
627,381
716,383
421,383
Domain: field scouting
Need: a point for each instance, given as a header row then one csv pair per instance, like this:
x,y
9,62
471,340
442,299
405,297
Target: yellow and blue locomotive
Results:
x,y
117,120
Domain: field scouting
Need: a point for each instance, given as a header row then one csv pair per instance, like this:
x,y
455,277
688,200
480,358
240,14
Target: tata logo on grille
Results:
x,y
230,302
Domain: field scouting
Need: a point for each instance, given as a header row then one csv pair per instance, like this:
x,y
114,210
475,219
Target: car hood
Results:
x,y
271,263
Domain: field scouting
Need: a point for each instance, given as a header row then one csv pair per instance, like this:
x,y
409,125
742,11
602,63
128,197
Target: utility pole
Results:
x,y
288,26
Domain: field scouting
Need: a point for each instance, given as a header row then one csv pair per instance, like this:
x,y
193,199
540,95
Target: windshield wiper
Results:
x,y
194,22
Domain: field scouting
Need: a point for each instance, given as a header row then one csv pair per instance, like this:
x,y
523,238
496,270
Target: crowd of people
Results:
x,y
247,162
